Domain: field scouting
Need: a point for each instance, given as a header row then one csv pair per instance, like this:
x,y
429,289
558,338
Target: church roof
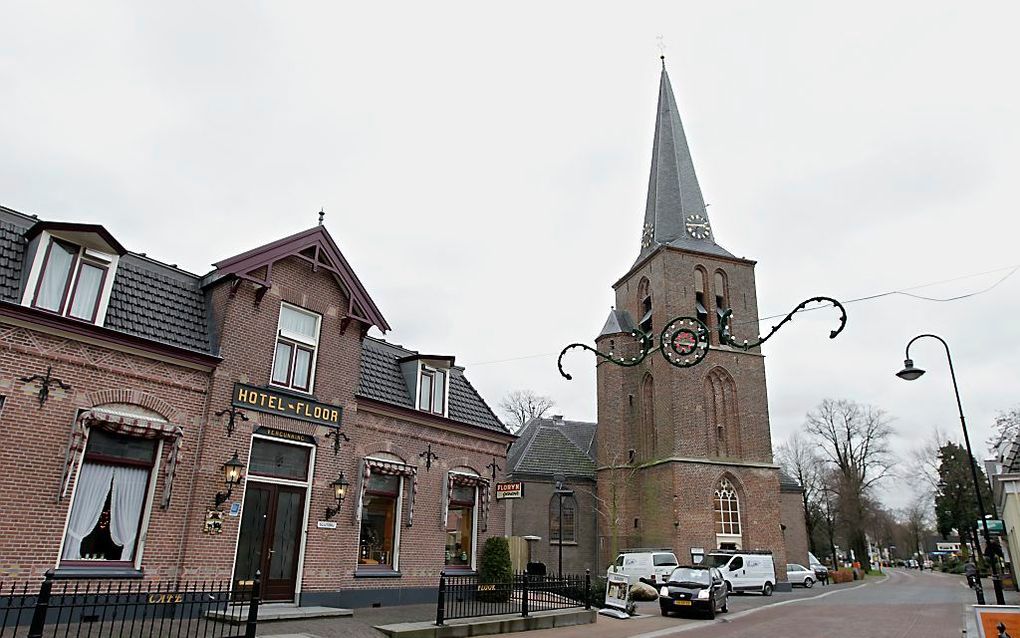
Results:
x,y
675,212
550,446
619,321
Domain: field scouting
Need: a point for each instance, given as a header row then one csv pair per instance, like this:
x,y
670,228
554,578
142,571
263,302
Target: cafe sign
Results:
x,y
512,489
284,404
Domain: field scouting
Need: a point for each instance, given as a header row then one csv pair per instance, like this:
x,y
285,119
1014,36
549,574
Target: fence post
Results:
x,y
42,605
441,603
524,595
253,606
587,589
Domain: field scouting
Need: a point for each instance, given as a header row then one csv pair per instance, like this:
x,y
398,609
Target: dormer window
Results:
x,y
296,345
432,390
72,280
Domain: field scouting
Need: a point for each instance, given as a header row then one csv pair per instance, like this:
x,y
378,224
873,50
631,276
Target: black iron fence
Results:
x,y
522,594
136,609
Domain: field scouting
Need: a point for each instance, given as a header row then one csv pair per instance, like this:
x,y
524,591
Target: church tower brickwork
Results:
x,y
684,454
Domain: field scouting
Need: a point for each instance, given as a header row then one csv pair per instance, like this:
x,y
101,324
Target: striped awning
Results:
x,y
468,480
370,466
128,425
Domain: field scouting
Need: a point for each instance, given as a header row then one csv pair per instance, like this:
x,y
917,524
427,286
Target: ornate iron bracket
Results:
x,y
727,338
429,456
234,412
684,341
336,435
44,384
492,466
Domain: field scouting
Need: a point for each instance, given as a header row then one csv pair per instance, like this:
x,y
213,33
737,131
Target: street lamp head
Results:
x,y
909,372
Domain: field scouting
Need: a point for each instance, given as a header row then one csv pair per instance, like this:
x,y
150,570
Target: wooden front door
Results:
x,y
271,526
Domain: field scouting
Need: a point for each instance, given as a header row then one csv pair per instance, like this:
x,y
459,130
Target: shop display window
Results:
x,y
460,524
379,518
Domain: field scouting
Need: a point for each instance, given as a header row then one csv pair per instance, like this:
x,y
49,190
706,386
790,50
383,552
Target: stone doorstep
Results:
x,y
464,627
270,612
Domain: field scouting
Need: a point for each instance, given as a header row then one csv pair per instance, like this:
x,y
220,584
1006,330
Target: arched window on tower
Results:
x,y
722,425
648,438
699,295
569,532
645,299
722,298
727,515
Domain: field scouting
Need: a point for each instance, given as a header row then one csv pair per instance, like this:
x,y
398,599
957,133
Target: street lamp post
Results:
x,y
910,373
561,491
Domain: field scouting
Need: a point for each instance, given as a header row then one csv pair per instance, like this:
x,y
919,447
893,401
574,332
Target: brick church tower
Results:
x,y
684,454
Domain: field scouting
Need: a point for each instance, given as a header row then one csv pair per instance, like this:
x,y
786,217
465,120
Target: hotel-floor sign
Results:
x,y
284,404
511,489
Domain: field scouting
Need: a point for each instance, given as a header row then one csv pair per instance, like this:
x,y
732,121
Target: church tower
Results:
x,y
684,454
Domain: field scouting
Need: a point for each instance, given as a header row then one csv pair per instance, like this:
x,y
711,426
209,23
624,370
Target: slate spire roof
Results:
x,y
675,212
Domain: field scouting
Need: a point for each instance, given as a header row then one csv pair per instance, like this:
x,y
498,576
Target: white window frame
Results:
x,y
474,515
300,340
424,369
85,254
143,530
398,517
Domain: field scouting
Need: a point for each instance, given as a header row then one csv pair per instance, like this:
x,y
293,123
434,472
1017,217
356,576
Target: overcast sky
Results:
x,y
484,169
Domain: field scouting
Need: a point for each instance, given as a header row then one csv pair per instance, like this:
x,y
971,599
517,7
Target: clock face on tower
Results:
x,y
647,235
697,227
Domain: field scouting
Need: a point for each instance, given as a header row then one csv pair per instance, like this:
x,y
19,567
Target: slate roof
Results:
x,y
618,321
382,380
546,447
789,484
673,190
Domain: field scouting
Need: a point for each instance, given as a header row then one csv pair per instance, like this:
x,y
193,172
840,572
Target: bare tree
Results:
x,y
924,464
852,439
520,406
916,518
618,479
1005,429
798,458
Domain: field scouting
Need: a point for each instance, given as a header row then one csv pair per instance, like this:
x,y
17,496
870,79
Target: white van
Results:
x,y
650,564
746,571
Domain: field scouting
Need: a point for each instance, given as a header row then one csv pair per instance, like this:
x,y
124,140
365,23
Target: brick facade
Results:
x,y
791,512
532,515
188,391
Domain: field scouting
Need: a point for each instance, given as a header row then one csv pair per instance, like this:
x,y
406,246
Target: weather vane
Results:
x,y
661,46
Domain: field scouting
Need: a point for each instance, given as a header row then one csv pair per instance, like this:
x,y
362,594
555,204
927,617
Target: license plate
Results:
x,y
682,602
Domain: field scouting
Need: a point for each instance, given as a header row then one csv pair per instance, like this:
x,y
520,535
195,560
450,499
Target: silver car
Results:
x,y
800,575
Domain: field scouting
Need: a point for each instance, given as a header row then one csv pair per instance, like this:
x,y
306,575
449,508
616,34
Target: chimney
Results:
x,y
557,419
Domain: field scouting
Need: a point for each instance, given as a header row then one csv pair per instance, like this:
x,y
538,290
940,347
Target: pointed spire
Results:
x,y
675,212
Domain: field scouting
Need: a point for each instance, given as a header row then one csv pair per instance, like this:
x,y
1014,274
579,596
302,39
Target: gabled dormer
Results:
x,y
428,381
70,270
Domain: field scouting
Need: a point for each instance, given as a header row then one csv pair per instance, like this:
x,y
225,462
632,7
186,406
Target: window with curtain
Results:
x,y
569,516
71,281
296,345
377,544
109,499
460,521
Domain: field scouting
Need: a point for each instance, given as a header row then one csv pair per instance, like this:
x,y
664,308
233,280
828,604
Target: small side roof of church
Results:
x,y
675,211
549,446
618,321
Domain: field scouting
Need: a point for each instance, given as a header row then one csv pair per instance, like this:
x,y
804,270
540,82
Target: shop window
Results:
x,y
460,526
569,517
109,500
699,295
432,390
380,517
72,281
296,345
727,509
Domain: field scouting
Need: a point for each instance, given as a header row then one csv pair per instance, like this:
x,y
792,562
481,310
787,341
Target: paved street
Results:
x,y
907,603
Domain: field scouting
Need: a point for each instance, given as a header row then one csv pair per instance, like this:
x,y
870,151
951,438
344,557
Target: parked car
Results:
x,y
800,575
653,565
696,588
820,570
745,571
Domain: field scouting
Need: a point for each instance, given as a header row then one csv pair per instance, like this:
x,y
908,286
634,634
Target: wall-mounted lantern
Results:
x,y
232,470
339,486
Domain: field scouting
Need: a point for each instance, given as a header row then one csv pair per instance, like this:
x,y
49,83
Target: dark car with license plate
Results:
x,y
694,589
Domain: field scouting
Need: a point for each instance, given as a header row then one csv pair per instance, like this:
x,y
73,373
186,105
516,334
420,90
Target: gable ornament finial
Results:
x,y
662,49
322,215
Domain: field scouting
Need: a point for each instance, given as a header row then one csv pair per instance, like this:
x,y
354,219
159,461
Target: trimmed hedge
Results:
x,y
496,568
